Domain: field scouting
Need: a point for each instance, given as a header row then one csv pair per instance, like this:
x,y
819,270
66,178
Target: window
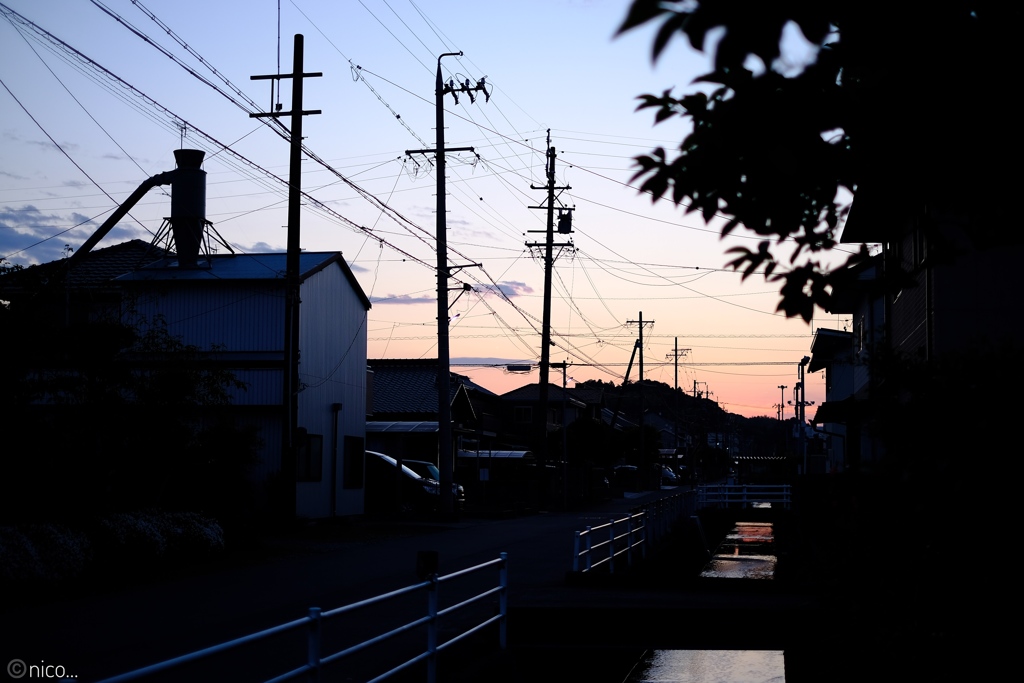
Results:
x,y
310,465
353,458
524,414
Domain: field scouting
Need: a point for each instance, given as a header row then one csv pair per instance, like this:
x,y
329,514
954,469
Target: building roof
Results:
x,y
421,427
243,267
97,268
827,345
408,386
531,393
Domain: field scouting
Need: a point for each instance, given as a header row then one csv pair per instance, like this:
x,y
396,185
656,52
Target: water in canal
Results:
x,y
747,552
710,666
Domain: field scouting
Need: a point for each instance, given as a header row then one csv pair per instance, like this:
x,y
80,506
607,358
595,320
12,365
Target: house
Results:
x,y
403,409
522,405
933,324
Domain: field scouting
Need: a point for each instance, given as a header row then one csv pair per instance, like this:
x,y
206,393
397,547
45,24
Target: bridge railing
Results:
x,y
626,538
313,622
743,495
599,545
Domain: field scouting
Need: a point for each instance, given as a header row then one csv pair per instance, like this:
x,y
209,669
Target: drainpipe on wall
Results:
x,y
335,410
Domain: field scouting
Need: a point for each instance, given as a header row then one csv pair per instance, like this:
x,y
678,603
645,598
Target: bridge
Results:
x,y
658,604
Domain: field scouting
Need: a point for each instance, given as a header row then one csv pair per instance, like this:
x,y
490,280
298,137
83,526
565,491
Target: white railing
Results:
x,y
608,541
315,660
743,495
628,536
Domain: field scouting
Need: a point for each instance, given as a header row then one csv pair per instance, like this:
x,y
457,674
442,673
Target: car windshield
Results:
x,y
425,469
391,461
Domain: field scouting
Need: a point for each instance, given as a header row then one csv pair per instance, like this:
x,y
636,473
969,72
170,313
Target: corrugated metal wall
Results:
x,y
245,321
332,369
240,317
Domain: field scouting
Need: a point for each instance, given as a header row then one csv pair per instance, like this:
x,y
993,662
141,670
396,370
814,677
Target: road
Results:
x,y
102,635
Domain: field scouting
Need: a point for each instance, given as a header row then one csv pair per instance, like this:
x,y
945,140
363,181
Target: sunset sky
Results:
x,y
552,64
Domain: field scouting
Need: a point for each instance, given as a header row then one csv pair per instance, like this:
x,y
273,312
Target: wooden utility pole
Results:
x,y
565,228
445,454
291,300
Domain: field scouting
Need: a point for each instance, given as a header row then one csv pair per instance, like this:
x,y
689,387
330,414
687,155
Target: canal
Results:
x,y
748,553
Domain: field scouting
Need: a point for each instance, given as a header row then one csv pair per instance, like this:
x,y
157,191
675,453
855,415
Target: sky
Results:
x,y
75,142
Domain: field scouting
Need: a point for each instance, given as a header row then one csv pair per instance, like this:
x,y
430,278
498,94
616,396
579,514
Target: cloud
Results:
x,y
488,360
508,288
49,146
260,248
474,234
29,236
402,299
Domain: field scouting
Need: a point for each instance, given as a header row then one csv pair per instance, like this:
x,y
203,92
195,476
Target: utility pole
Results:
x,y
564,366
564,228
640,379
676,353
290,368
799,404
703,394
782,402
445,455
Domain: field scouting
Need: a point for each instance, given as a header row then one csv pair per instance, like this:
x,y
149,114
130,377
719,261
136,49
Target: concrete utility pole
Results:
x,y
703,394
564,228
640,377
676,354
782,402
445,454
799,404
292,283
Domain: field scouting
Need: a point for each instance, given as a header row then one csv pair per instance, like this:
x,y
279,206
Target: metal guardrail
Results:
x,y
600,545
315,660
743,495
612,542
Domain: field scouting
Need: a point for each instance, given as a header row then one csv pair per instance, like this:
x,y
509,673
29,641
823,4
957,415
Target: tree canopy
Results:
x,y
910,102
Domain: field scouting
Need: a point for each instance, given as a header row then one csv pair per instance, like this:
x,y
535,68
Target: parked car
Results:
x,y
626,477
391,490
669,476
428,470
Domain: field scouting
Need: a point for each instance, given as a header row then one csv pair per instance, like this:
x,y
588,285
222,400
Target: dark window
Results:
x,y
311,458
353,459
524,414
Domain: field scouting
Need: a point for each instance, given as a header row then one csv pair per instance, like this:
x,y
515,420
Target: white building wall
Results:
x,y
332,370
245,322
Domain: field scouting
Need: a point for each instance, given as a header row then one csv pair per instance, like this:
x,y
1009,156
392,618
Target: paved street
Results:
x,y
98,636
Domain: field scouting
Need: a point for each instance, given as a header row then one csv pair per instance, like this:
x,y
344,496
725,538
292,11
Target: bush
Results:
x,y
149,538
43,552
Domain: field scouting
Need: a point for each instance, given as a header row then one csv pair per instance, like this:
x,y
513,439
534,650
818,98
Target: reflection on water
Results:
x,y
710,666
746,553
748,567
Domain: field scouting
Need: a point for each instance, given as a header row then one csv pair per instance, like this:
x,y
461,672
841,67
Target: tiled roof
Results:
x,y
99,267
405,386
531,392
409,386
